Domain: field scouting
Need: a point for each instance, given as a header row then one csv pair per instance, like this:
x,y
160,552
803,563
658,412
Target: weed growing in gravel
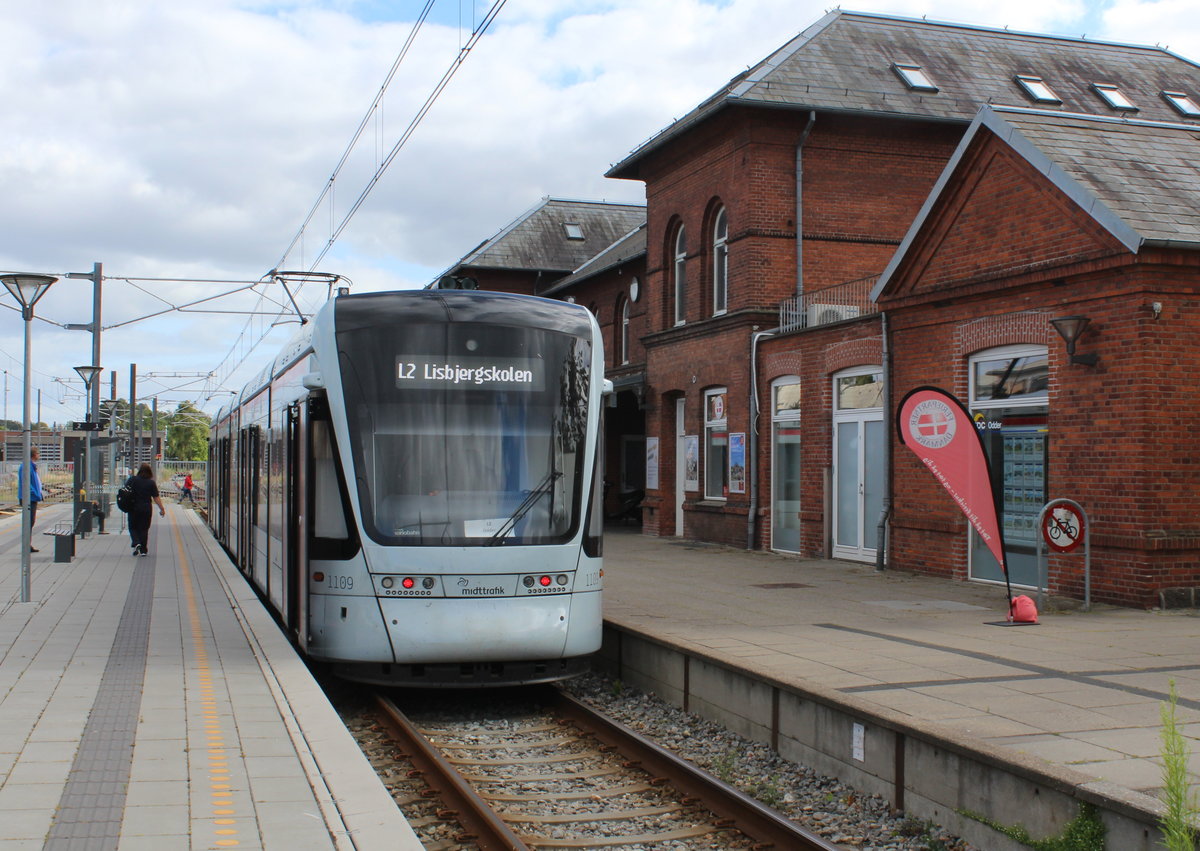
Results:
x,y
767,790
725,765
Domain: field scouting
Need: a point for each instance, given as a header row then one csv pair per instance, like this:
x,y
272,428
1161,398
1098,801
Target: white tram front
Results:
x,y
413,486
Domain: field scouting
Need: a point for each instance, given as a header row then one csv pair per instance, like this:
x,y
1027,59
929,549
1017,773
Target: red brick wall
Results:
x,y
1002,254
863,182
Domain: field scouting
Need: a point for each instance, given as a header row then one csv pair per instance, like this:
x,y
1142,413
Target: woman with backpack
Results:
x,y
145,491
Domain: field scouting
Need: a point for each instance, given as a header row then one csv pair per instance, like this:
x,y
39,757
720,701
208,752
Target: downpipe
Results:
x,y
752,437
881,535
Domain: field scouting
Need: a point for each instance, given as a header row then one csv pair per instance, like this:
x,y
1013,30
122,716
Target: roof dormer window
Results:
x,y
914,77
573,230
1183,104
1037,89
1113,97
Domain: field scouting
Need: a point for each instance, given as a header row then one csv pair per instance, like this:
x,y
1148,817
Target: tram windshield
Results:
x,y
466,434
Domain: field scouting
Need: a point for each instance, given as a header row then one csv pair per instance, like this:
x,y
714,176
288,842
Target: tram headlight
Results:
x,y
387,582
427,583
561,579
528,581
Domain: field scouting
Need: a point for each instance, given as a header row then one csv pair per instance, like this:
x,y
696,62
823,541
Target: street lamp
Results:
x,y
26,289
88,374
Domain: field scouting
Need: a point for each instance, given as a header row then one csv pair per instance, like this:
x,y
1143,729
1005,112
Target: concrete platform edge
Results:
x,y
929,770
345,785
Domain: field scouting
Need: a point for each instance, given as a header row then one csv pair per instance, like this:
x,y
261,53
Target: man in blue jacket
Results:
x,y
35,490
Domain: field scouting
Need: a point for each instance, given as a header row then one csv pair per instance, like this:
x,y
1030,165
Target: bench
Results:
x,y
64,538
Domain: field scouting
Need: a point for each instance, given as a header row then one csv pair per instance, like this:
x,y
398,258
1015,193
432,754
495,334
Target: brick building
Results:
x,y
884,203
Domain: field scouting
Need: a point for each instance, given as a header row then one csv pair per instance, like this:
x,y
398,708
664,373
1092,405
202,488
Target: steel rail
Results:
x,y
479,821
736,809
733,810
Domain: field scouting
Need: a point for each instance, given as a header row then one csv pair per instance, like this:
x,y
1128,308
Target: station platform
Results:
x,y
152,703
1068,707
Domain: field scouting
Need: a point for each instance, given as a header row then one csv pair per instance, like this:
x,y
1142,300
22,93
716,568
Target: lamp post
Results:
x,y
26,289
88,374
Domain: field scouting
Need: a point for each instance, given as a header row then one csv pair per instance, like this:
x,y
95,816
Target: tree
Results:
x,y
187,433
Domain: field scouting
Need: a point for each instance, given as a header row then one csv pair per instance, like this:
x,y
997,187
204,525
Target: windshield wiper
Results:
x,y
543,487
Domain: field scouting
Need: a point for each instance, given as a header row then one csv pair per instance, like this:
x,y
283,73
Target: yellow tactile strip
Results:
x,y
224,809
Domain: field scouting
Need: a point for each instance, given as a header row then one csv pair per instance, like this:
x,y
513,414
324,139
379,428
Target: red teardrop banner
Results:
x,y
938,428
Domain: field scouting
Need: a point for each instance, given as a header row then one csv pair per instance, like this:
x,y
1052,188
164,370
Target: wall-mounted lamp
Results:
x,y
1156,308
1071,328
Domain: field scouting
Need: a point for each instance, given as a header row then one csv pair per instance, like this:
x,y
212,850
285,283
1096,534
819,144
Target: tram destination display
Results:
x,y
482,373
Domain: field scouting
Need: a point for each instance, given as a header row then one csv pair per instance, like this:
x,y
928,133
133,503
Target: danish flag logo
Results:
x,y
932,424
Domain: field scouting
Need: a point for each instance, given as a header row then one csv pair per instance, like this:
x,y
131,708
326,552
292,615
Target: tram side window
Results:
x,y
329,519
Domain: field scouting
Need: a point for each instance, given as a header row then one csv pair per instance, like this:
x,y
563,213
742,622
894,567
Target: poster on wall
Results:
x,y
691,462
737,462
651,463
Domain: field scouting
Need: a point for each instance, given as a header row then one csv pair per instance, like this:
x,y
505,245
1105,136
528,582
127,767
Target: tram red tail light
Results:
x,y
318,576
408,582
544,581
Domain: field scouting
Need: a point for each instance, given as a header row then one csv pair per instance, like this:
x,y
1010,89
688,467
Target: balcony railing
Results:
x,y
832,304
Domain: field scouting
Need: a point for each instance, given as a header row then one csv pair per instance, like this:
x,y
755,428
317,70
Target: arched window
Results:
x,y
720,255
624,344
679,270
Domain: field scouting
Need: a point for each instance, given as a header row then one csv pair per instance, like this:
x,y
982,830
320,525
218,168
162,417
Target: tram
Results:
x,y
414,487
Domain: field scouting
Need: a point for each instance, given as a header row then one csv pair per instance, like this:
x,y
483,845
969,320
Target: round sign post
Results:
x,y
1065,528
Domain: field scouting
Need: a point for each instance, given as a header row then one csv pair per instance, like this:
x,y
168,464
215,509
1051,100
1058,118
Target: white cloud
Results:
x,y
190,139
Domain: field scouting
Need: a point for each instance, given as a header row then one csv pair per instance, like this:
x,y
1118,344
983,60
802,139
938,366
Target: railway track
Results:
x,y
562,776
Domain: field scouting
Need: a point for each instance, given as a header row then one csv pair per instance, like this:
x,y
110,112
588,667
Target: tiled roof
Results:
x,y
1146,174
538,240
628,247
1139,179
845,62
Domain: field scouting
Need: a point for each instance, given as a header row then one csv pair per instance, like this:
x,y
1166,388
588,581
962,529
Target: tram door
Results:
x,y
297,452
248,497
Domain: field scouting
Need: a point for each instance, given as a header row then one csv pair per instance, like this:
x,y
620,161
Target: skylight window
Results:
x,y
1183,104
573,230
1113,97
914,77
1037,89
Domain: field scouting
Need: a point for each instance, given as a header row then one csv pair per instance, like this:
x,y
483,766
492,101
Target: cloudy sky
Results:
x,y
183,143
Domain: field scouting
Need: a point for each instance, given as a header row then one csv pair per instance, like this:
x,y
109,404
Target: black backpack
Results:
x,y
125,498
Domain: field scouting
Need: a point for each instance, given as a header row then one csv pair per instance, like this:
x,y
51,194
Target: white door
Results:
x,y
858,460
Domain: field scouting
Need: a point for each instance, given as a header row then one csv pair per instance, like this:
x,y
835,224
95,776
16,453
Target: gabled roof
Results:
x,y
1140,180
539,241
845,62
629,247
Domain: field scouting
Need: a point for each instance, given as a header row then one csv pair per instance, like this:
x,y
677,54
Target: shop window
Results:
x,y
1009,403
720,257
716,445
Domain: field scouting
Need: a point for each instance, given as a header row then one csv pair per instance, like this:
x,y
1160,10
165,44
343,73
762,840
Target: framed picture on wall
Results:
x,y
651,463
737,462
691,462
